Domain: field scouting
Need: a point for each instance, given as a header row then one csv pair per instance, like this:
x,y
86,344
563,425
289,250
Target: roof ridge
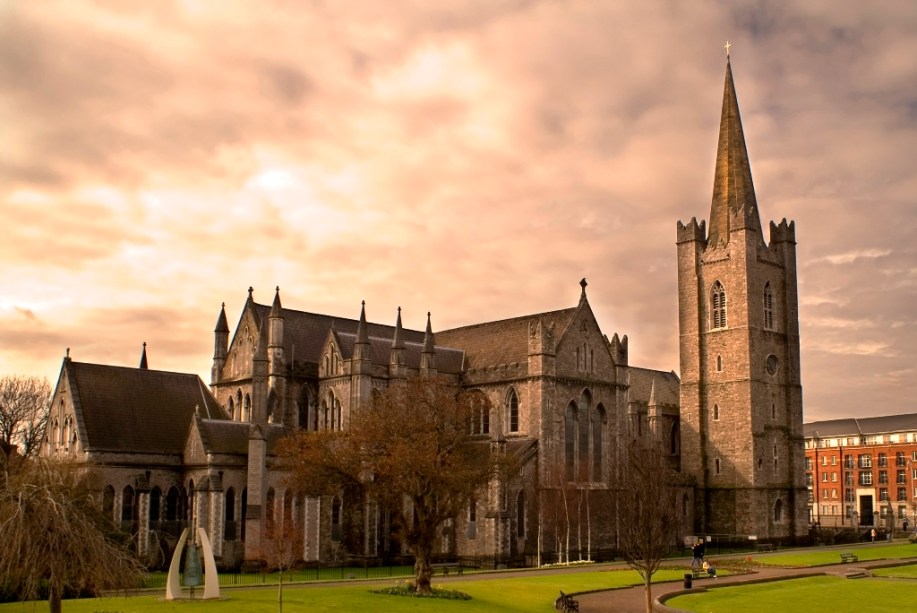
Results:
x,y
509,319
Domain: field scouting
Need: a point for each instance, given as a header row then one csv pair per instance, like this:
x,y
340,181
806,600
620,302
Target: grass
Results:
x,y
535,592
900,572
865,552
824,593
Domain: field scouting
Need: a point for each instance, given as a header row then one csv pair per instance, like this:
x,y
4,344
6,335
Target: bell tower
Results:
x,y
741,397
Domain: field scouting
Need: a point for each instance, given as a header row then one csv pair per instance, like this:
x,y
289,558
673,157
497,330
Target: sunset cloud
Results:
x,y
473,159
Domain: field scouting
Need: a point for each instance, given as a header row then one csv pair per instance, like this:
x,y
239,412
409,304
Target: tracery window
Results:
x,y
768,307
718,305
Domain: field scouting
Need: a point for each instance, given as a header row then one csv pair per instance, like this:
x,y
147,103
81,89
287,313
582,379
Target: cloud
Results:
x,y
474,159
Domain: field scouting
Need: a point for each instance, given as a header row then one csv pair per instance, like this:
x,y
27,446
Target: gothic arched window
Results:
x,y
778,511
718,305
584,412
336,519
598,442
269,512
513,405
768,307
570,441
155,504
716,412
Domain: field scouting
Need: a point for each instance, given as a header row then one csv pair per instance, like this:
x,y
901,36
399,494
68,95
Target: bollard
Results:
x,y
688,578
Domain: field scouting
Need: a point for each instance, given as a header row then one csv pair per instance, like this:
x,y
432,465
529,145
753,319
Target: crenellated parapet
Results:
x,y
618,349
784,232
692,231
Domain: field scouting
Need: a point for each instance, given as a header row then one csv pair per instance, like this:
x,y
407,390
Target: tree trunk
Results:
x,y
54,598
280,593
422,570
648,588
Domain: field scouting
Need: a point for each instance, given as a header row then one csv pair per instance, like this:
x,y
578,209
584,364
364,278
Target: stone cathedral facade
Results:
x,y
556,391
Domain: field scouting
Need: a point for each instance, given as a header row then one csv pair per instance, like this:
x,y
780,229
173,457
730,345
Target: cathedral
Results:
x,y
558,394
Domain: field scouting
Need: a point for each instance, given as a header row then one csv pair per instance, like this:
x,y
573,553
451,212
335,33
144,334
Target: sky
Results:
x,y
474,159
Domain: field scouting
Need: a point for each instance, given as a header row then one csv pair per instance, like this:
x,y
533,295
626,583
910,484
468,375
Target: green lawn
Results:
x,y
826,593
902,572
864,551
491,593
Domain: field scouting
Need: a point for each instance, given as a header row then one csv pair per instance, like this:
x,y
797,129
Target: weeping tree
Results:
x,y
412,451
54,537
649,514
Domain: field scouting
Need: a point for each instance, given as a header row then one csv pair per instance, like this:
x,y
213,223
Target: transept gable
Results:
x,y
582,348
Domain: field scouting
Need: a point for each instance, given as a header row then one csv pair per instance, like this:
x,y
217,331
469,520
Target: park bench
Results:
x,y
765,547
847,558
566,603
445,566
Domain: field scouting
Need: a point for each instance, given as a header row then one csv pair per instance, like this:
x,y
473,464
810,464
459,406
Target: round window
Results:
x,y
771,364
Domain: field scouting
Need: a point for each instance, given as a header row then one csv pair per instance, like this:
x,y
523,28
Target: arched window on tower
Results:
x,y
716,412
768,307
231,408
513,405
247,412
239,404
718,305
719,363
570,441
778,511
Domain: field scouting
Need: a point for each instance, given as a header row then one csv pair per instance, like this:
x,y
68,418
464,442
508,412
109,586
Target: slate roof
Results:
x,y
641,382
136,409
448,360
884,424
504,341
231,437
304,333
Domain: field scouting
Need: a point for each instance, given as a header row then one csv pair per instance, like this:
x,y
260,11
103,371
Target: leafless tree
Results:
x,y
281,548
54,535
23,417
412,451
648,513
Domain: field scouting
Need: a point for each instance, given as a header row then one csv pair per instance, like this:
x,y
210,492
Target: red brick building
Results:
x,y
862,471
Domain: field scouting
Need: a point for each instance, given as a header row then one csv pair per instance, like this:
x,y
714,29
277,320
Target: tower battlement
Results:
x,y
692,231
784,232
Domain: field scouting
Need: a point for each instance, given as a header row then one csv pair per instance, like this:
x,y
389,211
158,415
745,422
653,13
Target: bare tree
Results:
x,y
281,547
648,513
54,535
24,406
411,451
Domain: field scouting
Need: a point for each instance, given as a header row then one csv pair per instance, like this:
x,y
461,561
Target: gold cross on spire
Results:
x,y
726,47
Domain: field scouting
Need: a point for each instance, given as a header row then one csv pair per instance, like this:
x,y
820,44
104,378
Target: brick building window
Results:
x,y
899,459
883,494
902,494
883,460
833,477
865,478
848,478
848,461
901,477
808,463
718,305
865,460
768,307
883,477
809,480
824,477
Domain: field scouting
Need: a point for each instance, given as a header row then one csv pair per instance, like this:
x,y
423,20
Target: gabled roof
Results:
x,y
734,204
864,426
304,334
135,409
501,342
644,380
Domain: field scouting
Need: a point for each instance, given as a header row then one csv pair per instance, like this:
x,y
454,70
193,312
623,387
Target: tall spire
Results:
x,y
143,362
222,324
734,203
428,344
276,307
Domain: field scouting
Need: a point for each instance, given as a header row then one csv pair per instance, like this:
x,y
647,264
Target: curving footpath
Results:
x,y
633,600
